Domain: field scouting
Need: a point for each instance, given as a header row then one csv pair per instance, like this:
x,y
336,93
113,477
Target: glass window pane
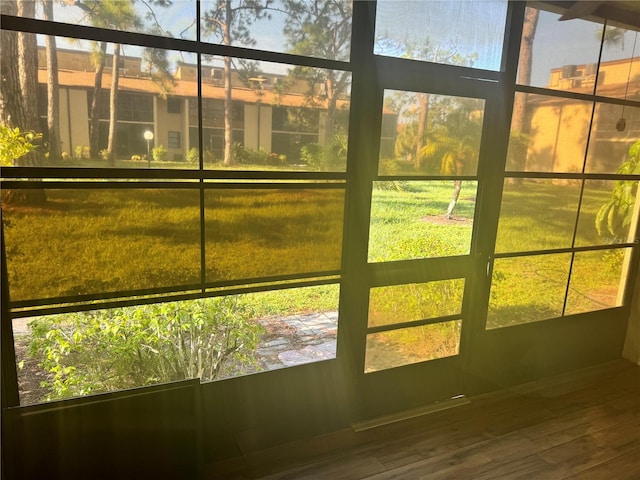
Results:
x,y
434,134
280,117
537,214
405,346
145,344
561,55
410,219
619,73
612,138
468,33
303,27
527,289
415,301
126,124
598,280
548,134
167,19
608,212
268,232
94,241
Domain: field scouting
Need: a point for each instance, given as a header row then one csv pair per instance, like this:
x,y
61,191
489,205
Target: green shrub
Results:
x,y
81,152
615,217
329,157
248,156
389,166
103,350
15,144
311,154
158,153
193,155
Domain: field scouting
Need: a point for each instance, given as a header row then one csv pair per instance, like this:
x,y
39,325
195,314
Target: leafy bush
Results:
x,y
248,156
158,153
81,152
103,350
15,144
311,154
326,157
389,167
615,216
193,155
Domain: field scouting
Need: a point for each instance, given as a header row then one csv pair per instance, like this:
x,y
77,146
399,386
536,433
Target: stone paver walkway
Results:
x,y
298,339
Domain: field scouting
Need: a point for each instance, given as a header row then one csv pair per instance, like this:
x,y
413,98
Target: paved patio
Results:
x,y
298,339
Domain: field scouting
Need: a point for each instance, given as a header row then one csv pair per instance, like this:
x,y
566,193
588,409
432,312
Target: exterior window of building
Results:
x,y
174,105
173,140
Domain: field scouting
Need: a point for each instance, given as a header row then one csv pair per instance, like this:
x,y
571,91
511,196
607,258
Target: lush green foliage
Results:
x,y
331,157
108,350
248,156
15,144
615,216
158,153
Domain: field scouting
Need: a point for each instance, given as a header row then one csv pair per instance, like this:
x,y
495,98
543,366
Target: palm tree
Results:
x,y
455,143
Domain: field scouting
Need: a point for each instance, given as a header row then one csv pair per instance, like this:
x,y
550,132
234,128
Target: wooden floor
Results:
x,y
585,425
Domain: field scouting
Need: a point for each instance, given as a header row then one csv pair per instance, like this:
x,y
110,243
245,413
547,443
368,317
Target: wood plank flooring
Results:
x,y
583,425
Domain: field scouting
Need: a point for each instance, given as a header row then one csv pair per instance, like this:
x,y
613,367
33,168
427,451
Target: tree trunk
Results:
x,y
517,160
228,108
423,98
332,100
53,90
11,111
94,122
457,186
20,93
228,105
112,145
28,71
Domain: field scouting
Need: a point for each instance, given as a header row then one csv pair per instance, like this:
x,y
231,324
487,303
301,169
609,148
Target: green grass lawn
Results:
x,y
542,215
410,223
92,241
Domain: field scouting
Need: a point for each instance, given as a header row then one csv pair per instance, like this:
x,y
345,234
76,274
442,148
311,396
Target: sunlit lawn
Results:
x,y
539,216
410,223
105,240
93,241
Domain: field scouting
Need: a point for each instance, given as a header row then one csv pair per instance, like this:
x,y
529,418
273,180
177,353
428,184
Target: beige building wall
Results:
x,y
78,113
558,137
63,124
166,122
257,131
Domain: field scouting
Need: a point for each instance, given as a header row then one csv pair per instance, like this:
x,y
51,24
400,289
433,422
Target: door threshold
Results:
x,y
453,402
